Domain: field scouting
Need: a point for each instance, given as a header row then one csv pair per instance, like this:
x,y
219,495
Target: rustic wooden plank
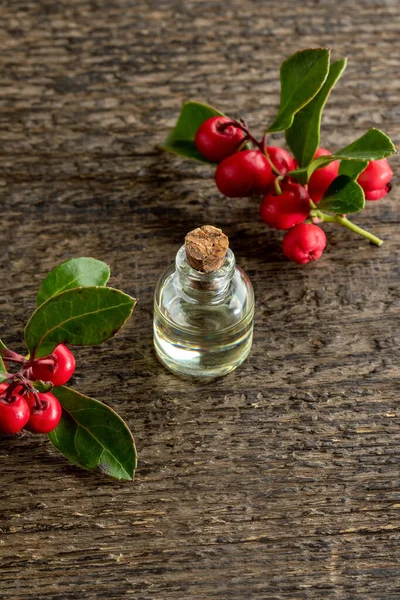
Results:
x,y
281,480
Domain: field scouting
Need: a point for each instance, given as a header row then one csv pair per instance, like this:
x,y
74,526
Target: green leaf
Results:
x,y
319,163
91,435
81,317
300,175
303,174
74,273
343,196
43,386
2,365
352,168
373,145
302,76
304,134
181,139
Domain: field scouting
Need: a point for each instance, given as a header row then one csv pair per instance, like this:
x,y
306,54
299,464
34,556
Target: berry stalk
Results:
x,y
345,222
262,146
277,181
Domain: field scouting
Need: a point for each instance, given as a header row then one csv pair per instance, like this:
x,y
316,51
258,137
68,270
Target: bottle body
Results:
x,y
203,322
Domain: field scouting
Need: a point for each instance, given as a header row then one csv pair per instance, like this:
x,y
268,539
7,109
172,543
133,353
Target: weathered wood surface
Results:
x,y
280,481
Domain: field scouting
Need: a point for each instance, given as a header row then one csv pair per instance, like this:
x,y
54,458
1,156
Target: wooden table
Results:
x,y
281,480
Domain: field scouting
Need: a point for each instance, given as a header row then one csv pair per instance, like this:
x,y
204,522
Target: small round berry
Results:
x,y
243,174
287,209
14,414
304,243
60,372
374,180
46,418
321,179
216,140
281,159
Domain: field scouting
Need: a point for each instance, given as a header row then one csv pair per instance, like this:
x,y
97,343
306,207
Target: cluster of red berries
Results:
x,y
264,171
21,405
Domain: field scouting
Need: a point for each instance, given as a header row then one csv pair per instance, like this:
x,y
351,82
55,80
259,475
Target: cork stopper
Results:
x,y
206,248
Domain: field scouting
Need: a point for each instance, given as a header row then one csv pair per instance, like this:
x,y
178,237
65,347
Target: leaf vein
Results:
x,y
82,315
98,441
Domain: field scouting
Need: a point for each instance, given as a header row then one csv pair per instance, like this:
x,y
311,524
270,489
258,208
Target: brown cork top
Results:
x,y
206,248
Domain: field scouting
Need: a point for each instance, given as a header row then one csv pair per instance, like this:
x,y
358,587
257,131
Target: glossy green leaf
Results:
x,y
81,317
74,273
373,145
300,175
319,163
302,76
91,435
352,168
303,174
181,139
304,135
344,196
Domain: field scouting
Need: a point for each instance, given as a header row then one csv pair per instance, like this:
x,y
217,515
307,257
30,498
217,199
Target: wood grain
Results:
x,y
281,480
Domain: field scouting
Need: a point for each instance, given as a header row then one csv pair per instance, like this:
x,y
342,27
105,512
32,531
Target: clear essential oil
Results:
x,y
203,321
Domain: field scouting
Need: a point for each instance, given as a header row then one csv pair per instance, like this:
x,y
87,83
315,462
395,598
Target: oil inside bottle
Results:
x,y
203,322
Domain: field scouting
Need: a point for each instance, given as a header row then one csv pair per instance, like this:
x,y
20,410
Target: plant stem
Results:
x,y
370,236
260,145
11,389
38,402
12,356
47,360
12,359
242,144
344,221
265,152
273,167
277,186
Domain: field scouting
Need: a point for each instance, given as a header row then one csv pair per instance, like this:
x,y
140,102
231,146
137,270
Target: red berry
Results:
x,y
321,179
60,372
46,418
377,194
287,209
303,243
374,180
215,141
281,159
243,174
14,414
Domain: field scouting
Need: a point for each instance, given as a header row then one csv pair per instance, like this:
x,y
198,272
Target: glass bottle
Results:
x,y
203,321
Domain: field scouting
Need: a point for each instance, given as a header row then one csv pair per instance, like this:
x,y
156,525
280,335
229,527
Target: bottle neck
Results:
x,y
206,287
